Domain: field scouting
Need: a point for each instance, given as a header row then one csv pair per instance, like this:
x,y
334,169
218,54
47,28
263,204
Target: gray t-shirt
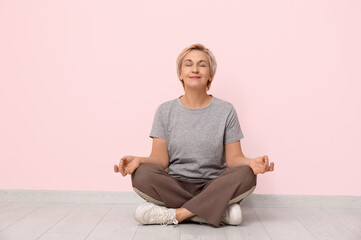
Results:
x,y
196,137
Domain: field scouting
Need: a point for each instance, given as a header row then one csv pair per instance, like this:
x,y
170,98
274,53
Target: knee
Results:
x,y
246,176
144,175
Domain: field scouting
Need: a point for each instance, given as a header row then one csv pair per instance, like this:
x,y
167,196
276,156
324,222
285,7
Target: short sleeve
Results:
x,y
233,131
158,129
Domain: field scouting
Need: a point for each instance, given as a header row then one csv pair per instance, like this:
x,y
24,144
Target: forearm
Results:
x,y
151,160
239,161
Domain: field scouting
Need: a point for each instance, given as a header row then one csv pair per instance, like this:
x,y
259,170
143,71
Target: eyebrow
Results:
x,y
199,61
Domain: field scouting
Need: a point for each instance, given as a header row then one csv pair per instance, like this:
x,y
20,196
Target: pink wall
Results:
x,y
80,82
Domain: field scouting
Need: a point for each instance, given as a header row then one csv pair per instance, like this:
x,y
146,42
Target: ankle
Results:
x,y
182,214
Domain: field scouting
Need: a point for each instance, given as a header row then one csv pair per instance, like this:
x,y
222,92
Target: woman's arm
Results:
x,y
159,156
153,160
235,158
238,161
234,155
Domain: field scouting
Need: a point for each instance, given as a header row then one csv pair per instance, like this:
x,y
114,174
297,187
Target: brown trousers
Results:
x,y
207,199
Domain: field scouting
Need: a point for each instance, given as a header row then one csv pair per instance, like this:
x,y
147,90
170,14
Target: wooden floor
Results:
x,y
67,217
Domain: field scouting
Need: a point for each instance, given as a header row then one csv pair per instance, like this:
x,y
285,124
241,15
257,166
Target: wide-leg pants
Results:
x,y
207,199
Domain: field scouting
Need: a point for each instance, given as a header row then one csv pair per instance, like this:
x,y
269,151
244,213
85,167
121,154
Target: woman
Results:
x,y
196,170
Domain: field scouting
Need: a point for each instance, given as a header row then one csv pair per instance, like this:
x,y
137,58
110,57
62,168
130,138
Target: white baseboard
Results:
x,y
302,201
69,196
253,200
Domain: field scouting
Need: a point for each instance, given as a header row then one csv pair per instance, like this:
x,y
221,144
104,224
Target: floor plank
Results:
x,y
321,225
157,232
119,223
350,218
10,213
37,222
4,204
63,236
82,220
281,224
250,228
189,231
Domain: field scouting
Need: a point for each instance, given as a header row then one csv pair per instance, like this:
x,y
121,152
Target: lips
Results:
x,y
194,77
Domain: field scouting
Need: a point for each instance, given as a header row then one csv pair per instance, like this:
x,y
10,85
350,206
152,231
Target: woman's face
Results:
x,y
195,69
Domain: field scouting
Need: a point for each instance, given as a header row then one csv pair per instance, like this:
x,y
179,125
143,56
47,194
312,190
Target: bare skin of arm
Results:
x,y
235,158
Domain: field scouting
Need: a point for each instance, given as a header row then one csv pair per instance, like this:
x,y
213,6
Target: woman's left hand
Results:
x,y
261,165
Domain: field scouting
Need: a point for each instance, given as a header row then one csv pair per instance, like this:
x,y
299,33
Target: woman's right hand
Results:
x,y
127,165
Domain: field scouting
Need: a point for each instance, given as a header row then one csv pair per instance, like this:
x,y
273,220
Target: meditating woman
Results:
x,y
196,170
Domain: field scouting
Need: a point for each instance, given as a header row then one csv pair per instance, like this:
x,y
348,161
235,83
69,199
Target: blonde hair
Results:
x,y
211,60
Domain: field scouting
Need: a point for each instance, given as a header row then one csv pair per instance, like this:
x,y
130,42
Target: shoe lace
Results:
x,y
170,222
164,217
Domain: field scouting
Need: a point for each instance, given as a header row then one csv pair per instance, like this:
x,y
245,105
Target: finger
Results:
x,y
126,159
267,161
120,161
263,166
272,166
121,167
128,170
116,169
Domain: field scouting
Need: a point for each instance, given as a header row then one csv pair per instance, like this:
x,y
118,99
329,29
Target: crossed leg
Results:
x,y
153,184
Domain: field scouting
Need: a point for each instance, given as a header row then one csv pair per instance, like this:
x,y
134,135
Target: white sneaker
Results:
x,y
149,213
233,215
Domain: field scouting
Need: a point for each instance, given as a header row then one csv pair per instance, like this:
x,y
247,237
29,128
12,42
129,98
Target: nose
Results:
x,y
194,68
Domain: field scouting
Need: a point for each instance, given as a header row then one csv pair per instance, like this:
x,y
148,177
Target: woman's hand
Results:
x,y
127,165
261,165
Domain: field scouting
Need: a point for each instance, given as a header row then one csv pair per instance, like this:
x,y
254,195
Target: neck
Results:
x,y
196,99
